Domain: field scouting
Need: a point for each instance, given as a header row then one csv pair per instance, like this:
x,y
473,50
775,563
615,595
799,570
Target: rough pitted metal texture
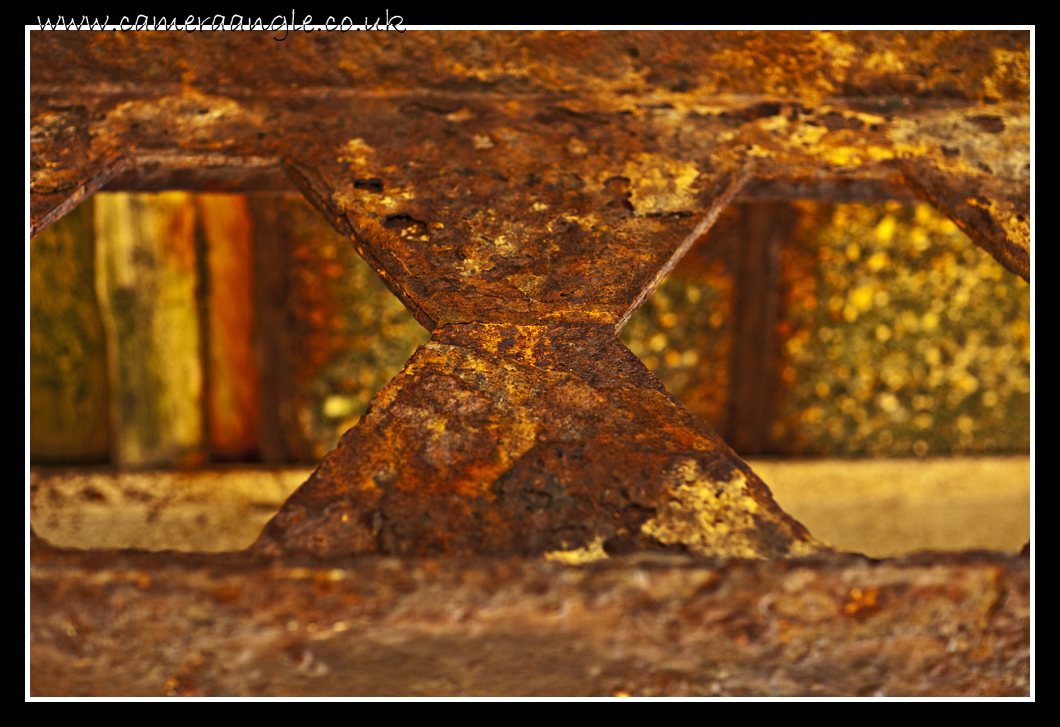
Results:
x,y
522,194
529,117
531,440
121,623
537,179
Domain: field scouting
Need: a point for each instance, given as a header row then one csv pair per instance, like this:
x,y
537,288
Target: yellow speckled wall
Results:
x,y
897,336
901,338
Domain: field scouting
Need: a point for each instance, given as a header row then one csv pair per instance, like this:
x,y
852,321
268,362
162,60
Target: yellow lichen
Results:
x,y
807,134
710,518
357,154
660,184
580,556
886,61
587,222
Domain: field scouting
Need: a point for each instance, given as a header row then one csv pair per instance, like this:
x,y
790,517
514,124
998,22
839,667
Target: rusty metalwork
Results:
x,y
522,194
503,439
124,624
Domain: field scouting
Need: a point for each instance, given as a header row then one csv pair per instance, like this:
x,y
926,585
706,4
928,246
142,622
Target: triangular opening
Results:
x,y
893,336
900,337
175,330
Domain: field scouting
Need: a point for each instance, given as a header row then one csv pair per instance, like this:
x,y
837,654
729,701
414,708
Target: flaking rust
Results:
x,y
547,439
522,194
524,426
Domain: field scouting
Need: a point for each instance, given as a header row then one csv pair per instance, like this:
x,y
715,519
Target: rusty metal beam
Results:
x,y
523,187
531,440
522,194
114,623
804,105
64,170
153,176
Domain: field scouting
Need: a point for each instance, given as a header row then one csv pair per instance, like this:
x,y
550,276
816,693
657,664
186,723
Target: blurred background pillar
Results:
x,y
232,373
68,393
147,285
764,228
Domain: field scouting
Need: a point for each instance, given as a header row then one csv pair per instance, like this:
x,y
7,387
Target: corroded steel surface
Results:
x,y
125,623
504,439
547,181
64,169
804,104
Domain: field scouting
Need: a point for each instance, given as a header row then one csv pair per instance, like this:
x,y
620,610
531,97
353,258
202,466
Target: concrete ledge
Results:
x,y
890,507
882,508
206,511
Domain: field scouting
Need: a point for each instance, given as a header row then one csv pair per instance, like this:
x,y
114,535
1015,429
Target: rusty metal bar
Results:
x,y
522,194
124,624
